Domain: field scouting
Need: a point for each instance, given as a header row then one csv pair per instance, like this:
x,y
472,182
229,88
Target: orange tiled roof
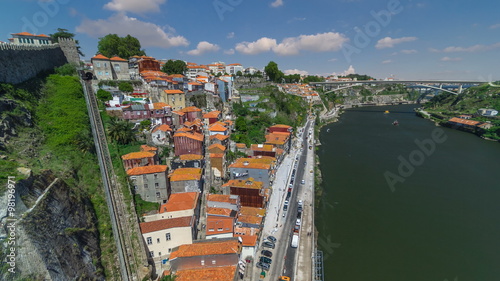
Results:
x,y
147,170
179,113
137,155
250,219
210,247
277,138
117,58
217,128
163,127
262,147
248,240
216,155
99,57
173,92
195,83
188,157
152,226
251,211
219,211
219,225
247,183
212,114
145,147
464,121
190,109
241,145
185,174
220,137
217,145
281,126
160,105
221,198
42,35
184,129
254,163
24,33
179,202
223,273
194,136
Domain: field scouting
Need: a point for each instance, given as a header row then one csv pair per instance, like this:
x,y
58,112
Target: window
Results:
x,y
149,240
213,261
158,194
157,185
157,240
105,65
117,67
210,229
146,186
169,250
219,229
107,73
167,236
144,178
156,176
98,65
202,262
159,254
152,254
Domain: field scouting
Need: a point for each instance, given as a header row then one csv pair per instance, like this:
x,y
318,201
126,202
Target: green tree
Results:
x,y
124,47
174,67
312,78
239,74
63,33
241,124
292,78
273,72
120,131
125,87
168,278
145,124
104,95
66,70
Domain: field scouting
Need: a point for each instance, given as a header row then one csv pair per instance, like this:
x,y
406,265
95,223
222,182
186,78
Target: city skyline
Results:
x,y
403,39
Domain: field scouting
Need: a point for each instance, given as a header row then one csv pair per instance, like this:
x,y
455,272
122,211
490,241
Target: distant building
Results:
x,y
175,98
150,182
188,161
188,143
139,159
114,68
26,38
260,169
487,112
186,204
251,192
186,180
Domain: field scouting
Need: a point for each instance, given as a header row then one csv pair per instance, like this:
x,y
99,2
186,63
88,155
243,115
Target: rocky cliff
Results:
x,y
56,233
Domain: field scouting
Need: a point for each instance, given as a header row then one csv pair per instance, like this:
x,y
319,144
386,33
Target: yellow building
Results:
x,y
175,98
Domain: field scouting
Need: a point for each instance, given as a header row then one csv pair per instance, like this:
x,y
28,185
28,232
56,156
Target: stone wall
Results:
x,y
19,63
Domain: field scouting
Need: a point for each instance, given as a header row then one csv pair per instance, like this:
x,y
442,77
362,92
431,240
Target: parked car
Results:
x,y
266,253
303,181
299,215
268,244
262,265
265,260
297,222
272,239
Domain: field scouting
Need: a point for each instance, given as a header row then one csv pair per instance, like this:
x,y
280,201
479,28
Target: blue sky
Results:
x,y
407,39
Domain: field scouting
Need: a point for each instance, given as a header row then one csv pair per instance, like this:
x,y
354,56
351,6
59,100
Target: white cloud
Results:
x,y
296,71
409,52
471,49
264,44
149,34
202,48
229,52
495,26
321,42
346,72
277,3
450,59
135,6
389,42
386,61
230,35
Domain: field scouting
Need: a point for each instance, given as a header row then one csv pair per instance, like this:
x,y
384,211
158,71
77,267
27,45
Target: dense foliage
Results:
x,y
359,77
125,87
66,70
103,95
174,67
124,47
273,73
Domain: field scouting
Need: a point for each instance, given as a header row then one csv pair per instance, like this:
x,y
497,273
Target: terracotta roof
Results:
x,y
184,129
220,137
464,121
42,35
117,58
251,211
238,230
189,157
219,225
217,145
246,183
185,174
195,83
241,145
145,147
223,273
221,198
217,128
147,170
173,92
281,126
219,211
194,136
205,248
277,138
160,105
212,114
190,109
163,127
254,163
179,113
250,219
138,155
99,57
179,202
152,226
216,155
248,240
24,33
262,147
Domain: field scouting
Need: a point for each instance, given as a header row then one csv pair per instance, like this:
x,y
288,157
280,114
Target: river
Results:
x,y
438,221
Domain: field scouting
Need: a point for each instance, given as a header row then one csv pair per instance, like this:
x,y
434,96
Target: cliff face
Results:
x,y
57,237
12,115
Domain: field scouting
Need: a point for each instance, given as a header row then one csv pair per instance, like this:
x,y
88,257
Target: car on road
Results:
x,y
265,260
267,253
271,238
303,181
262,265
298,222
299,215
268,244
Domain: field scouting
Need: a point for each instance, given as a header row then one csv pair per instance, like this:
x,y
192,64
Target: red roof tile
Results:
x,y
147,170
99,57
152,226
205,248
223,273
179,202
137,155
